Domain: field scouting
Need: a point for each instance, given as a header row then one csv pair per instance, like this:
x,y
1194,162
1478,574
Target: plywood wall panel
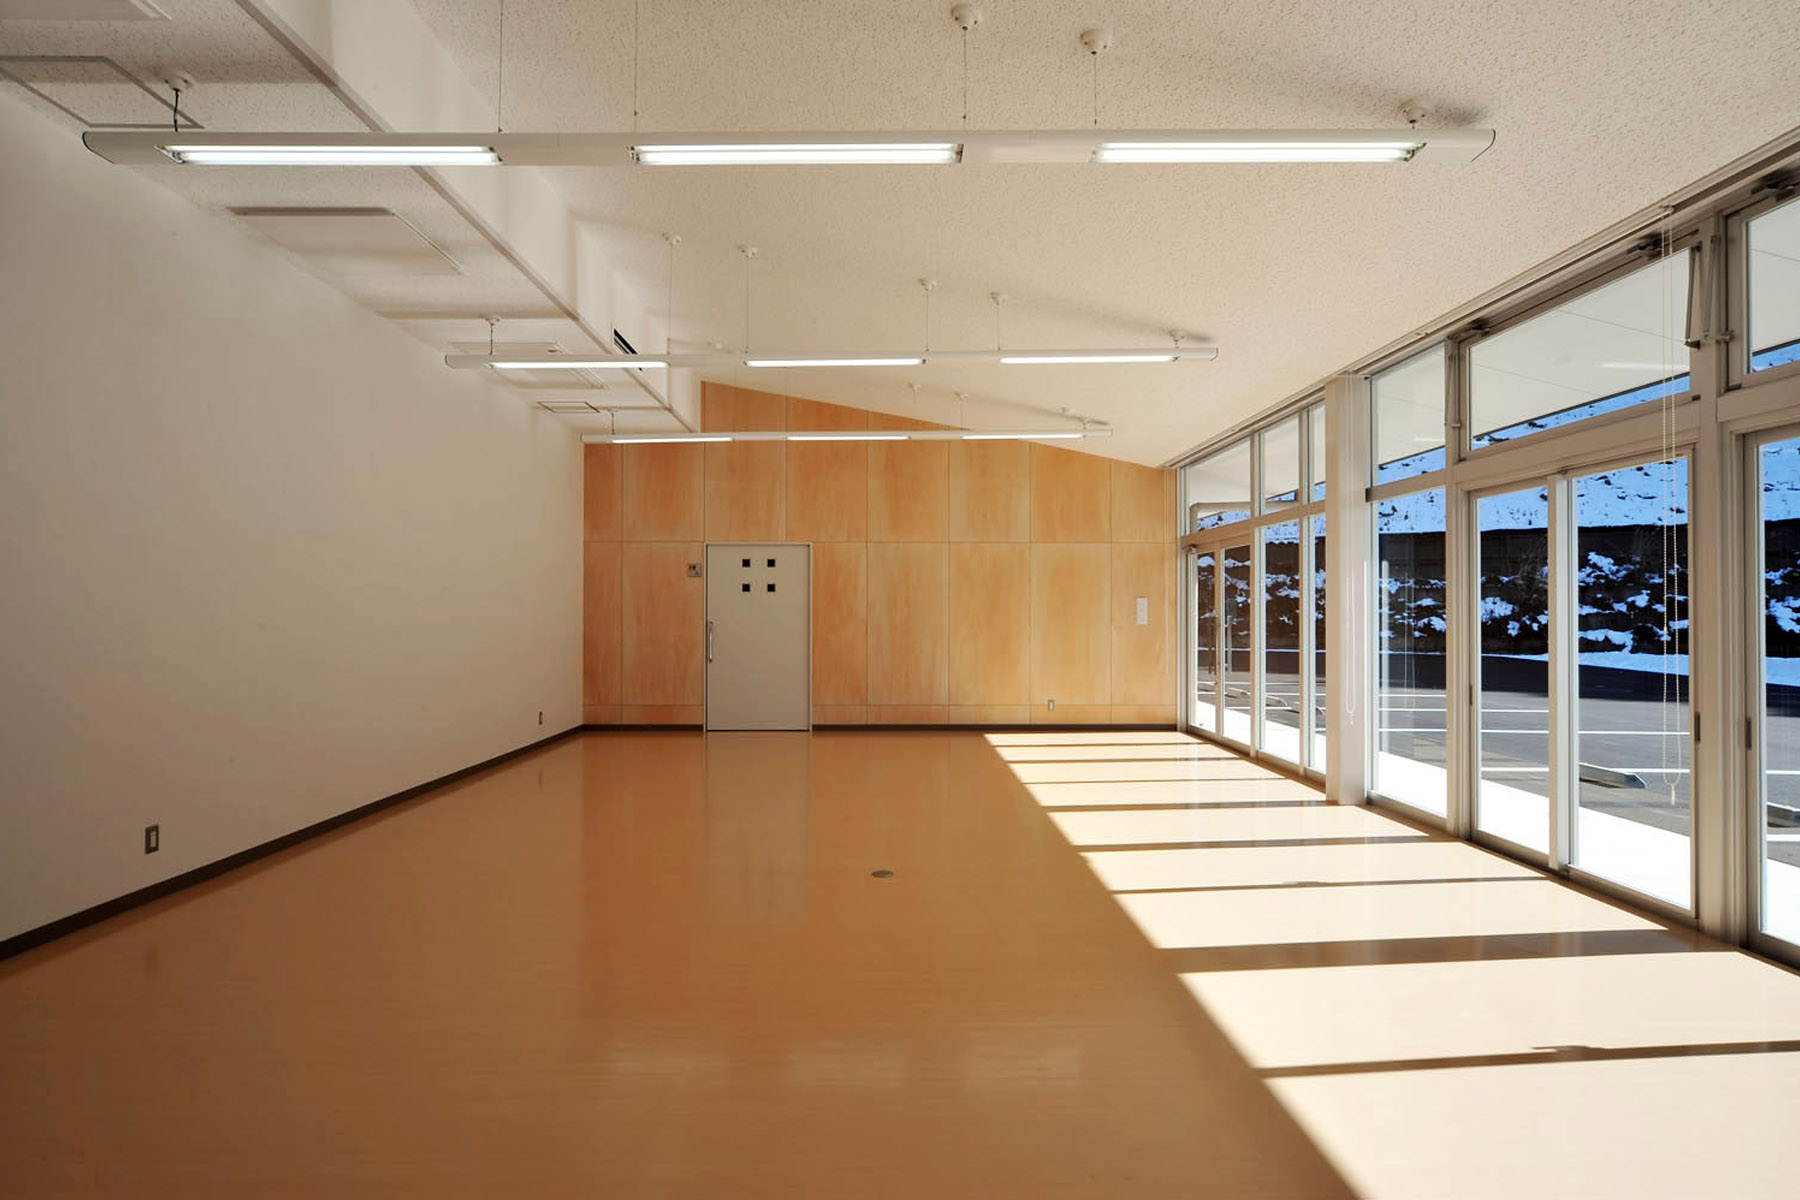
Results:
x,y
1071,626
840,624
726,408
1073,714
1143,504
746,492
990,492
664,714
840,714
827,482
602,624
990,714
1143,714
1143,656
602,493
664,492
664,633
909,491
909,612
909,714
1071,496
990,623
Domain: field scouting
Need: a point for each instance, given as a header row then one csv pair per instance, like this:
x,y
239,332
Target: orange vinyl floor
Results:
x,y
1104,964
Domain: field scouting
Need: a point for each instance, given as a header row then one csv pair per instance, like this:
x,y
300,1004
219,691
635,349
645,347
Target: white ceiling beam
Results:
x,y
385,62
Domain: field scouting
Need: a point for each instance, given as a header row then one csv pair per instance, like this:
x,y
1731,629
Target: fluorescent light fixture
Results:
x,y
1255,152
747,154
1095,357
834,362
1672,368
992,147
848,435
348,155
578,364
1015,437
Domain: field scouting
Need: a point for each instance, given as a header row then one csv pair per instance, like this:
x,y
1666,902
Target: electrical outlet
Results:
x,y
1052,706
152,838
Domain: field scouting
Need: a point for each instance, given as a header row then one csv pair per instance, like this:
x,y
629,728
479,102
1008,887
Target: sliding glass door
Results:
x,y
1512,800
1582,729
1205,664
1237,623
1634,811
1775,642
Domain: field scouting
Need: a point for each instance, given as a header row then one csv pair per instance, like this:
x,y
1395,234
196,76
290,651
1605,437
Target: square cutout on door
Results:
x,y
771,587
746,587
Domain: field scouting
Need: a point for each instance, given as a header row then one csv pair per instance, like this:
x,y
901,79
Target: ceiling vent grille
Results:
x,y
92,89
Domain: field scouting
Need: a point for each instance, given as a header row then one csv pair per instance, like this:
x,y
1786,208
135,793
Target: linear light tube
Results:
x,y
333,156
797,154
1014,437
1254,152
1085,358
578,364
833,362
629,440
846,437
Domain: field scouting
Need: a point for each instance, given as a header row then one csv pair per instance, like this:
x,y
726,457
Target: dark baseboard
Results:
x,y
32,938
906,728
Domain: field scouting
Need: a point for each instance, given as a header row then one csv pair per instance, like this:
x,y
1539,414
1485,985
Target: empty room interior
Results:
x,y
676,599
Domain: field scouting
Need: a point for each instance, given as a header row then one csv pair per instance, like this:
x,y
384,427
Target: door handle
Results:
x,y
709,641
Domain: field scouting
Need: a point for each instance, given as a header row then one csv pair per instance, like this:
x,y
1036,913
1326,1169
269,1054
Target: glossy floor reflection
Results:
x,y
1442,1020
650,965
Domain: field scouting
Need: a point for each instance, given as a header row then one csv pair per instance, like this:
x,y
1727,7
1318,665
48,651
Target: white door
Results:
x,y
759,636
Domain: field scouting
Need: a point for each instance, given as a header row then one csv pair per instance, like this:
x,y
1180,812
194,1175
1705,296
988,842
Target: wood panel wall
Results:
x,y
953,582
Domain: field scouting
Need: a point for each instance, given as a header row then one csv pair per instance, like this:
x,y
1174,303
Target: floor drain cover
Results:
x,y
884,873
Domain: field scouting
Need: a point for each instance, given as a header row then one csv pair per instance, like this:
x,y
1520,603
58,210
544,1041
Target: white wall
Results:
x,y
262,558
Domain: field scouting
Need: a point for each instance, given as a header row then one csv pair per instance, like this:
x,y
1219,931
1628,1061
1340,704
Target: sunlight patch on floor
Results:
x,y
1270,866
1133,827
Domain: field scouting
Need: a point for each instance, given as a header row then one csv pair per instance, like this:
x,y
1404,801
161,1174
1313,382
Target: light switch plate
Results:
x,y
1143,611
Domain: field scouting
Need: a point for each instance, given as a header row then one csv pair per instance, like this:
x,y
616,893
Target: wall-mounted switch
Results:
x,y
152,838
694,570
1143,610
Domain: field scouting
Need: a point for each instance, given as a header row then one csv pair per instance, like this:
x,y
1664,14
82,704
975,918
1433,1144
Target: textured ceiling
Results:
x,y
1601,107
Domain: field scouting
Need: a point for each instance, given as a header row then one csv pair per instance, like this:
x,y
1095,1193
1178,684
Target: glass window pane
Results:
x,y
1281,464
1234,630
1409,726
1779,743
1633,820
1218,488
1775,287
1408,404
1206,642
1281,640
1610,348
1320,452
1514,716
1318,657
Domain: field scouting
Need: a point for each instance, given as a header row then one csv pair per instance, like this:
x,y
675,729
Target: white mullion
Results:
x,y
1564,630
